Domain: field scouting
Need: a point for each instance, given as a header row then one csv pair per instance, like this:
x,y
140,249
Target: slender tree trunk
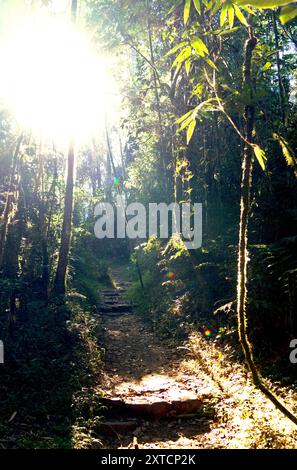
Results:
x,y
13,242
122,157
243,232
60,279
281,90
7,207
158,105
245,202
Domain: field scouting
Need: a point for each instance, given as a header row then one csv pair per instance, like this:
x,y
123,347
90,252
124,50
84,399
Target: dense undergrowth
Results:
x,y
52,358
188,291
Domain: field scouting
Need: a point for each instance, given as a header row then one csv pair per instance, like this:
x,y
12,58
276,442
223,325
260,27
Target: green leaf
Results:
x,y
231,16
287,13
211,63
223,15
199,46
176,48
188,66
187,10
264,3
184,117
186,123
190,130
266,66
287,152
260,155
182,56
240,15
197,6
198,89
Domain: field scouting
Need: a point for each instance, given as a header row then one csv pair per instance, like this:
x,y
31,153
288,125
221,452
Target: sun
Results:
x,y
53,81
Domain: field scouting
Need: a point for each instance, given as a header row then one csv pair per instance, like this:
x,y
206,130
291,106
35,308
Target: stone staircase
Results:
x,y
138,390
113,301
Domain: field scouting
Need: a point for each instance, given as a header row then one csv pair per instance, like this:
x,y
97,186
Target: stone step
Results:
x,y
152,409
115,308
113,314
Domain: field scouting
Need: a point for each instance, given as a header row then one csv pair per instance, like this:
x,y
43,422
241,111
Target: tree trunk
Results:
x,y
245,200
7,207
243,232
281,90
60,280
162,145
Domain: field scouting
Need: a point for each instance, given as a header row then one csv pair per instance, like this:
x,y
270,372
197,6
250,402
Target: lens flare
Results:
x,y
170,275
52,79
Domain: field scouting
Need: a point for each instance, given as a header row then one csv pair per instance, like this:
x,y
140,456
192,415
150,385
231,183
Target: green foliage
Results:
x,y
54,351
260,155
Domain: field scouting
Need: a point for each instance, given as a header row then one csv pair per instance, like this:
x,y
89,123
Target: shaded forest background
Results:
x,y
179,137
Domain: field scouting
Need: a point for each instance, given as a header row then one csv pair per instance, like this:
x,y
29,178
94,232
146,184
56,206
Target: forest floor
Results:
x,y
160,395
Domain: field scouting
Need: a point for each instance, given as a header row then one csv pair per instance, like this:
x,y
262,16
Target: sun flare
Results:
x,y
53,81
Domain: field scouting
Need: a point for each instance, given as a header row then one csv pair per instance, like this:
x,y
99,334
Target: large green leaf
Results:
x,y
223,15
197,6
287,13
184,117
176,48
267,66
190,130
182,56
199,46
240,15
231,16
260,155
187,10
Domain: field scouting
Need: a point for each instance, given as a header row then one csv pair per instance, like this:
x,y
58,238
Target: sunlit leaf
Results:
x,y
197,6
182,118
198,89
186,123
187,66
290,158
231,16
211,63
176,48
182,56
190,130
223,15
240,15
260,155
266,66
187,10
287,13
199,46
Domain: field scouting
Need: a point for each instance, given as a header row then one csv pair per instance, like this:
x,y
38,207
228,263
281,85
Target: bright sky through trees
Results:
x,y
45,63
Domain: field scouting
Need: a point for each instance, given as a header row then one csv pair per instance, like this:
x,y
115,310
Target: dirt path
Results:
x,y
157,396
